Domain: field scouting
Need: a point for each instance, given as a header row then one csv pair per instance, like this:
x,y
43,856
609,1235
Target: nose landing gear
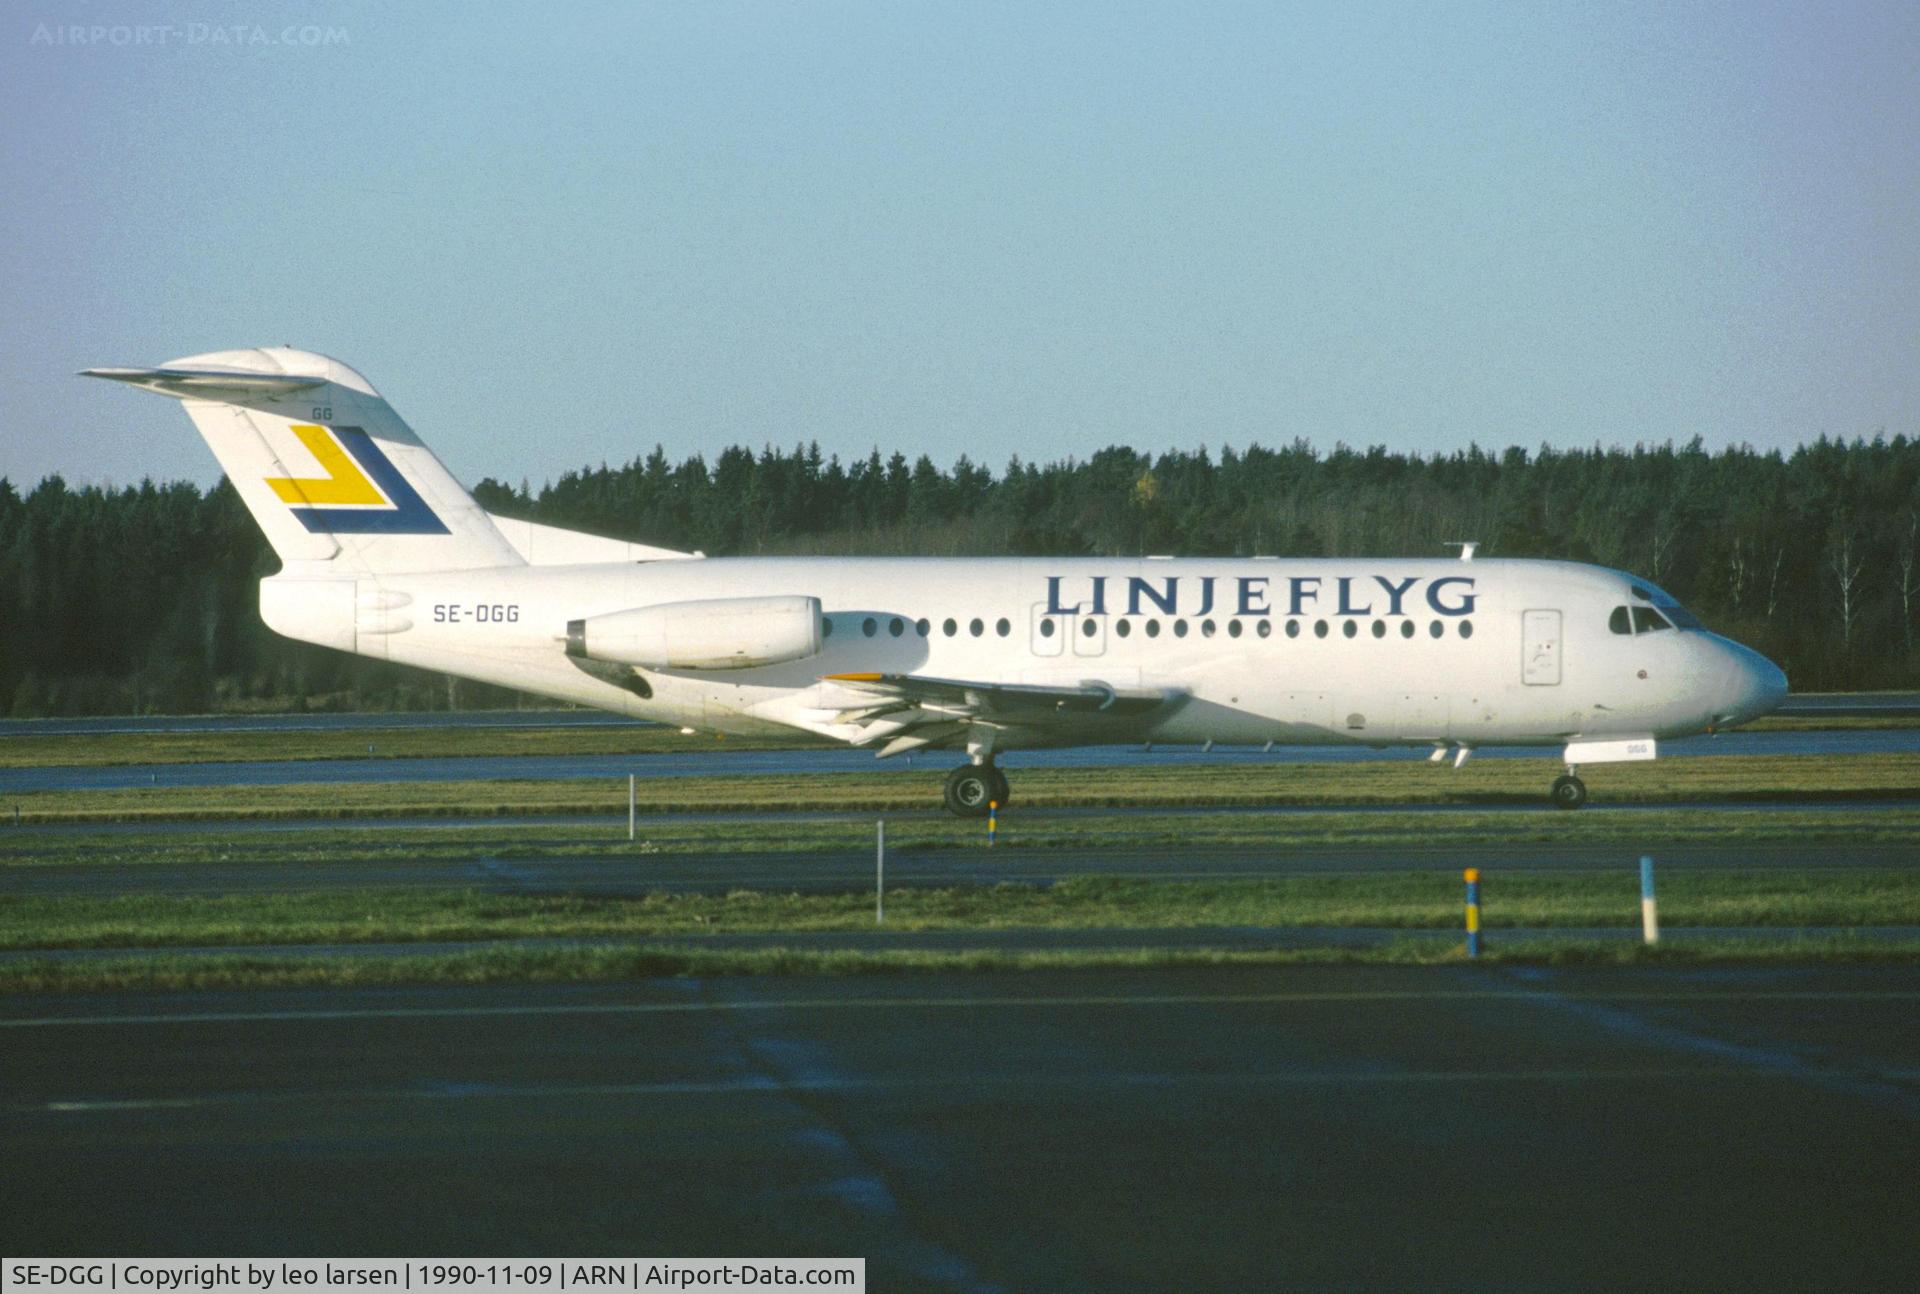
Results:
x,y
1568,792
971,787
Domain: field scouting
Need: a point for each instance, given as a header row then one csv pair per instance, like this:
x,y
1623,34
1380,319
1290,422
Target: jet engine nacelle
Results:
x,y
719,633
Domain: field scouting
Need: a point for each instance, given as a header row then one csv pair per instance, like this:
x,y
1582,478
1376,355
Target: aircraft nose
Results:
x,y
1755,686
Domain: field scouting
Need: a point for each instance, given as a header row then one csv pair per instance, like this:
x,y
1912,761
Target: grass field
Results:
x,y
1416,899
1893,827
1824,920
356,828
1382,782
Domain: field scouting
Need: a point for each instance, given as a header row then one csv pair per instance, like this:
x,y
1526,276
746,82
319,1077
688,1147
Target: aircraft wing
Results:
x,y
910,711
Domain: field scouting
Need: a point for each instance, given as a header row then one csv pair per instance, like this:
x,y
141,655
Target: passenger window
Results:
x,y
1123,628
1206,628
1435,629
1350,629
1646,620
1619,622
1319,629
1153,628
1406,628
1046,627
1087,628
976,626
949,627
869,626
1466,628
1293,628
896,626
1003,626
921,627
1265,628
1179,629
1233,628
1379,629
826,626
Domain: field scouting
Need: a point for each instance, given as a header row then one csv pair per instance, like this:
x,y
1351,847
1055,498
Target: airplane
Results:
x,y
385,555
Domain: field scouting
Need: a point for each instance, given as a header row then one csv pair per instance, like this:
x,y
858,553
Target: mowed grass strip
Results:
x,y
163,971
1379,782
1428,899
1892,722
1173,838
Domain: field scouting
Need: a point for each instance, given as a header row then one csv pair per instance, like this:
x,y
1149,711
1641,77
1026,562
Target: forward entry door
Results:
x,y
1540,648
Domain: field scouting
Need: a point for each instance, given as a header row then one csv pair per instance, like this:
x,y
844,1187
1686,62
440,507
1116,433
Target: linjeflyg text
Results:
x,y
1259,595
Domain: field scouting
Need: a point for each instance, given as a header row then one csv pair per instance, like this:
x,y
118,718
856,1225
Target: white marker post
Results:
x,y
1649,911
880,872
631,796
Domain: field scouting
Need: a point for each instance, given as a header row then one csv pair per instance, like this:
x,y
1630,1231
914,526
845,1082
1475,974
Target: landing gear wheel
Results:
x,y
970,787
1000,788
1568,792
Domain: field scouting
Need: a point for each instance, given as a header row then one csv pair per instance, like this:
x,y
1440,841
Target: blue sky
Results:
x,y
972,228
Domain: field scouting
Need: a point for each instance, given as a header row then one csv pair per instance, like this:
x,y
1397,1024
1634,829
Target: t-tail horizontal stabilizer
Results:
x,y
206,383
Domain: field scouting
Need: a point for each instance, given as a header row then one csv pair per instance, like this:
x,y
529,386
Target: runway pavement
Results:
x,y
710,762
617,871
1217,1129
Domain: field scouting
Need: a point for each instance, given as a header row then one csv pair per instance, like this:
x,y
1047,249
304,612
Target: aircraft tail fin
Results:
x,y
330,472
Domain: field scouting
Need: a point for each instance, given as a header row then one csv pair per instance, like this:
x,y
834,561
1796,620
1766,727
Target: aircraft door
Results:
x,y
1540,648
1049,631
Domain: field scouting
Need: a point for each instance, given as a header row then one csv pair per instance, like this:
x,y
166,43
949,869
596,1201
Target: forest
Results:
x,y
141,599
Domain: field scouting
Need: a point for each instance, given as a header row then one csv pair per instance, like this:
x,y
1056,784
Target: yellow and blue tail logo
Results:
x,y
362,492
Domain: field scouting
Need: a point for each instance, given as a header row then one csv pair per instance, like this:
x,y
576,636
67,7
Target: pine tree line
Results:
x,y
142,600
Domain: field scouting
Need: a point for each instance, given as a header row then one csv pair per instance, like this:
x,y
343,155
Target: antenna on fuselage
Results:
x,y
1466,547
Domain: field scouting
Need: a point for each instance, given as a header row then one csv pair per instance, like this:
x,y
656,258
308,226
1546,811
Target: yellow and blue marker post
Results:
x,y
1473,911
993,822
1649,911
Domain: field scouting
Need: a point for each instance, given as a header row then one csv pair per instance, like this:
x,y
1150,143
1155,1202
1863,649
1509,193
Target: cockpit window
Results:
x,y
1646,620
1619,621
1671,615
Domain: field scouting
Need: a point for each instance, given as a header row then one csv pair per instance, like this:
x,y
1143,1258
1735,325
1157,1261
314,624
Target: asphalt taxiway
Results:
x,y
1220,1128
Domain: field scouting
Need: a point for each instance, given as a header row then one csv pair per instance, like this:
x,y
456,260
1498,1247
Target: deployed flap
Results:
x,y
940,711
1022,699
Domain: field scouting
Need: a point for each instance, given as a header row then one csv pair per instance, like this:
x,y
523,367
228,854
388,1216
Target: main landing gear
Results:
x,y
1568,792
972,787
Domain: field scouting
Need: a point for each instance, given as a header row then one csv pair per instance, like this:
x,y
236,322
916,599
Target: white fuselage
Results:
x,y
1374,651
